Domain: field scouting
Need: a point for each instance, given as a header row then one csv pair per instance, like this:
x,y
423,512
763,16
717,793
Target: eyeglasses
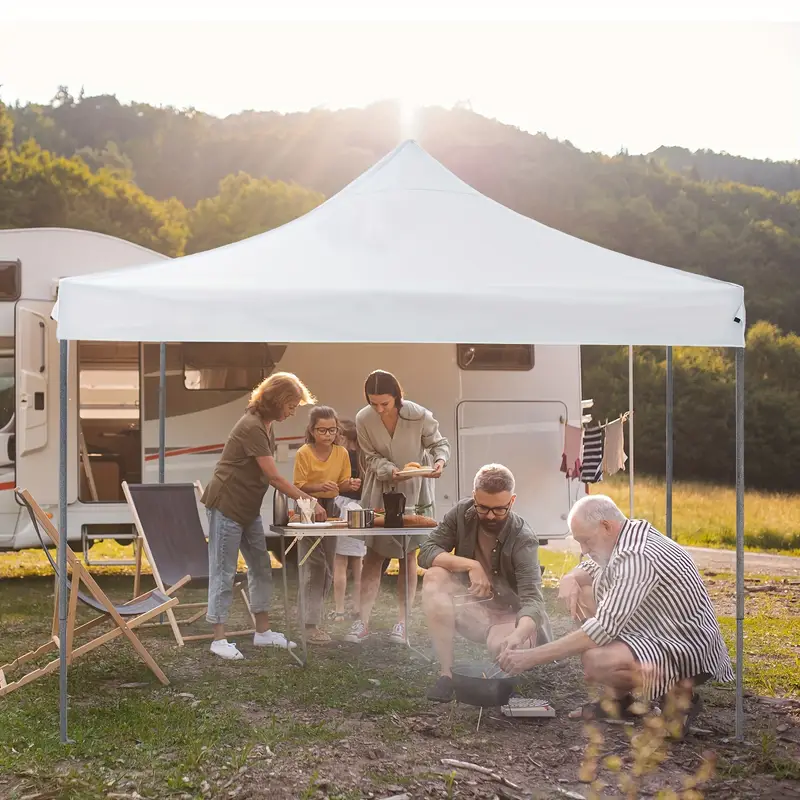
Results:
x,y
323,431
497,511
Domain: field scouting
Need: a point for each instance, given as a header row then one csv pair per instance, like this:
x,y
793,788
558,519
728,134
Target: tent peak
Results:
x,y
409,167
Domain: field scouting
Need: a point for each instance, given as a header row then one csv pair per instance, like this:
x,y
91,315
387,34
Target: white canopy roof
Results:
x,y
405,253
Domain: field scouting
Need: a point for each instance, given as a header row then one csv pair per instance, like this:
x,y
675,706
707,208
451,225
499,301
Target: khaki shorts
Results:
x,y
474,621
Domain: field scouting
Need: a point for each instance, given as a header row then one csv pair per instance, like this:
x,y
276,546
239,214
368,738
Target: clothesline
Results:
x,y
594,449
623,417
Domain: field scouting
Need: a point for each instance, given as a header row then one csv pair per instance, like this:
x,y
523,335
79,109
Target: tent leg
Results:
x,y
670,441
740,543
630,431
62,539
162,410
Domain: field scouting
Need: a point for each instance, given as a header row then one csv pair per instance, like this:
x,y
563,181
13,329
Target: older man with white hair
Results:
x,y
647,622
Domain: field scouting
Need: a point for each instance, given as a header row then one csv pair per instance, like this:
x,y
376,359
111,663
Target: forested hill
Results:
x,y
706,165
180,181
632,204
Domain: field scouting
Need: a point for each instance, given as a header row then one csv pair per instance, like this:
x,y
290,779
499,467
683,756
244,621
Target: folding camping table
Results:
x,y
316,535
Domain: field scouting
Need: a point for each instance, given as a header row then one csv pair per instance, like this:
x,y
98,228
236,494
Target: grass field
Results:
x,y
705,515
355,723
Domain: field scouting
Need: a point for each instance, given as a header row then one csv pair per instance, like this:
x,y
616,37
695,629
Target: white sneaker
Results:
x,y
357,633
398,634
225,649
272,638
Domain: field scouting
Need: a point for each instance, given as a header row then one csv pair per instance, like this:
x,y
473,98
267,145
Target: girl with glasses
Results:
x,y
321,470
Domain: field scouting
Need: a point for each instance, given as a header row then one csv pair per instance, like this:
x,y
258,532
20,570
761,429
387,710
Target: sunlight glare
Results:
x,y
409,119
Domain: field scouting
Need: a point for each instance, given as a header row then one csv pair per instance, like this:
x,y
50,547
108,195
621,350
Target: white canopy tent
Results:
x,y
423,257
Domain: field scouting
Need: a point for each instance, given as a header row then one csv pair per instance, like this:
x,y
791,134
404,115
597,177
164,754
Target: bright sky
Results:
x,y
732,86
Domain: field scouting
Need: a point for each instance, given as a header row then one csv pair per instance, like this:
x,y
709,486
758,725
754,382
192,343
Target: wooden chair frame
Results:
x,y
122,626
140,545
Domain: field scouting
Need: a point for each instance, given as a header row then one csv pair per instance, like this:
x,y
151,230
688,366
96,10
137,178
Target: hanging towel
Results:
x,y
592,460
614,457
571,458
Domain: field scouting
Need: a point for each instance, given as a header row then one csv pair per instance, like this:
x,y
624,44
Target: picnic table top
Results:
x,y
285,530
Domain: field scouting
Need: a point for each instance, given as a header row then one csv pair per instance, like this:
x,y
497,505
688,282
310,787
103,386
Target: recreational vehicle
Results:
x,y
495,403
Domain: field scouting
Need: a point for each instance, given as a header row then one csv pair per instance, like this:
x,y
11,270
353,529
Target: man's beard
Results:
x,y
492,526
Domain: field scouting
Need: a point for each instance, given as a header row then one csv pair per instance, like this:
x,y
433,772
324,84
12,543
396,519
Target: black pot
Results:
x,y
473,689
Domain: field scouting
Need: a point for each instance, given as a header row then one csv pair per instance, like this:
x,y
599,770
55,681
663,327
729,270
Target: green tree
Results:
x,y
244,207
42,190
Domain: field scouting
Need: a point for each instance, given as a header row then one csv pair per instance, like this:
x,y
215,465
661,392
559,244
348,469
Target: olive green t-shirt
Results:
x,y
238,485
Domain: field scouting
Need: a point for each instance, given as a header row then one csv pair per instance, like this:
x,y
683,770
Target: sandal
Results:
x,y
623,708
336,616
679,724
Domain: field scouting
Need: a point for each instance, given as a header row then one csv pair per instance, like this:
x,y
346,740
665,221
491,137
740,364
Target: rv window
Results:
x,y
10,280
226,367
518,357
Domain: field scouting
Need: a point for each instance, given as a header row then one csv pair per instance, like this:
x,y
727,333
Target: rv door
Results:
x,y
37,434
528,437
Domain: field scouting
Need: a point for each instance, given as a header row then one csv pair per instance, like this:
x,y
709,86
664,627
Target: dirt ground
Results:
x,y
355,724
403,753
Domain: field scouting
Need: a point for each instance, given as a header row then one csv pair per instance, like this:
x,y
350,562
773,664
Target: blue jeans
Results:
x,y
225,539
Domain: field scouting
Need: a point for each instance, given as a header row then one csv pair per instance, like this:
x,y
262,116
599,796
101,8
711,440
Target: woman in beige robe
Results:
x,y
392,432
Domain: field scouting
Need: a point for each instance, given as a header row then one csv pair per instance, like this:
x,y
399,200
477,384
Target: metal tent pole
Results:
x,y
630,429
739,543
670,441
162,411
62,538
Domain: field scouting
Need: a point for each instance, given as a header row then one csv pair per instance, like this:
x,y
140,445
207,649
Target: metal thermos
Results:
x,y
361,518
280,508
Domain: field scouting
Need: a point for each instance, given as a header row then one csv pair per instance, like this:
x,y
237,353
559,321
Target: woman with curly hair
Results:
x,y
233,501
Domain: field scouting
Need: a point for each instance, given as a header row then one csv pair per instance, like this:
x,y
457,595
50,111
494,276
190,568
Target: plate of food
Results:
x,y
310,525
415,470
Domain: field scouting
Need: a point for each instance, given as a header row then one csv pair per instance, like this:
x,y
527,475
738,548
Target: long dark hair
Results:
x,y
380,382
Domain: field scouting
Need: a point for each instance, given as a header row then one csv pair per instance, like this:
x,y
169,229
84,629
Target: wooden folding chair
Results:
x,y
124,617
170,533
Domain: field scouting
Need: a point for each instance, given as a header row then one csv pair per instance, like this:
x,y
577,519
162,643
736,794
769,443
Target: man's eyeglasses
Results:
x,y
497,511
323,431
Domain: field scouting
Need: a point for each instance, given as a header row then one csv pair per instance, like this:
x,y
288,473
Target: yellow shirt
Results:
x,y
309,469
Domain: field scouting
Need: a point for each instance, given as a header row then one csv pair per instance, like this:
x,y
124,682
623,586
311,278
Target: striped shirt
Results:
x,y
651,597
592,457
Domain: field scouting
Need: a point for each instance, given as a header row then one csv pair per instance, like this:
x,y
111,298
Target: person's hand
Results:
x,y
350,485
514,640
330,486
513,661
437,469
320,514
569,593
479,583
396,476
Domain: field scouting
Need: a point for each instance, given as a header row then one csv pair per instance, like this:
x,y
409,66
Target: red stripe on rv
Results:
x,y
184,451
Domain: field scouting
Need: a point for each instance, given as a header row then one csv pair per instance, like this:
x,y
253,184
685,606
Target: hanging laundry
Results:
x,y
592,460
614,457
571,458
